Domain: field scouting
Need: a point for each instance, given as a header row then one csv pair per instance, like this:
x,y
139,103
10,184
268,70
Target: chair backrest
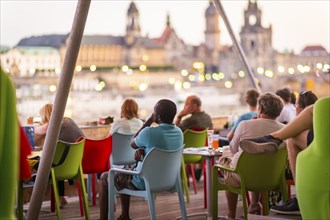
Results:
x,y
321,126
261,172
192,138
96,155
67,159
161,168
122,152
313,167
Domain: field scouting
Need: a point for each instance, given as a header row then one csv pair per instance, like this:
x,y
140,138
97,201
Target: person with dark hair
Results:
x,y
251,99
269,108
166,136
288,113
295,144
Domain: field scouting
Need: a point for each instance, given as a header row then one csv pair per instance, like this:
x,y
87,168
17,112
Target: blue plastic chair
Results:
x,y
169,163
122,152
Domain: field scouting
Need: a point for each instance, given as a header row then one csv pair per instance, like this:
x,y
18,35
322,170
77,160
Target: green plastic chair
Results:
x,y
313,167
194,139
258,172
67,165
9,146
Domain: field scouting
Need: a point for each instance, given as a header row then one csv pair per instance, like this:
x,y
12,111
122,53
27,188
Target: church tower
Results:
x,y
133,29
212,32
255,39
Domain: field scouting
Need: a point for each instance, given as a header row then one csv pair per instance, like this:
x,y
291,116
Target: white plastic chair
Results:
x,y
169,163
122,152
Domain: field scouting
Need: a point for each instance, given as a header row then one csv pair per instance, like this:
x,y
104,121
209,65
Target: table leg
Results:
x,y
208,161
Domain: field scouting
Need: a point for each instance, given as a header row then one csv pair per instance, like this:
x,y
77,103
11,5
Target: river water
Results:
x,y
89,106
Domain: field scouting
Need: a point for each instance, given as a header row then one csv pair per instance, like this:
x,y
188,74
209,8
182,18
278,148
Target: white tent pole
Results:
x,y
238,46
63,90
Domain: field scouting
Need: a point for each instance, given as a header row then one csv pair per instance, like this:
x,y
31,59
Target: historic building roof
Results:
x,y
314,50
132,8
52,40
211,10
103,40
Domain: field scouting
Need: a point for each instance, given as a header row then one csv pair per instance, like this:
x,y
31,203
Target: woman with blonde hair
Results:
x,y
69,132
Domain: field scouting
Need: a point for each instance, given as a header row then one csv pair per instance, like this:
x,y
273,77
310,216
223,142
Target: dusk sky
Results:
x,y
295,23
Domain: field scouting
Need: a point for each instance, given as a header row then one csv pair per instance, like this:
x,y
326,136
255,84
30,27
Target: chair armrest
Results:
x,y
119,170
221,167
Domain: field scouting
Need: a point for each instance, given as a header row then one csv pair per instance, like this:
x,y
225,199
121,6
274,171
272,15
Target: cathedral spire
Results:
x,y
168,20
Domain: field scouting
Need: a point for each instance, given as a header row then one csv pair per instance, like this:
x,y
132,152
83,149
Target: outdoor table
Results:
x,y
208,155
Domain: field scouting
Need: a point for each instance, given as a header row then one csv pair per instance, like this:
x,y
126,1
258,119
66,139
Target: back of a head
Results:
x,y
306,98
270,104
129,109
285,94
251,97
196,100
166,109
46,112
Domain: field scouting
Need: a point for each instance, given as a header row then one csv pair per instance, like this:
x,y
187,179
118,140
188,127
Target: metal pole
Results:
x,y
71,55
241,53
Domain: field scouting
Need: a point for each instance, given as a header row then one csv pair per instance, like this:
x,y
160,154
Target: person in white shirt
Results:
x,y
129,123
288,112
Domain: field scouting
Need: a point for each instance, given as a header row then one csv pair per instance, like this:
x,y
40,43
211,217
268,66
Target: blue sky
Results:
x,y
295,23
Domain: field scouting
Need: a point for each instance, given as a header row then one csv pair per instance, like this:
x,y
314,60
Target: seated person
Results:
x,y
251,99
195,119
288,113
129,123
69,132
269,108
165,135
296,142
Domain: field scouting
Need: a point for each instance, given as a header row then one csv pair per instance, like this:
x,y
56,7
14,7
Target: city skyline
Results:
x,y
300,23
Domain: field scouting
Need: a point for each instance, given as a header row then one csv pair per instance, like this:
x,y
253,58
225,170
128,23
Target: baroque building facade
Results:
x,y
168,52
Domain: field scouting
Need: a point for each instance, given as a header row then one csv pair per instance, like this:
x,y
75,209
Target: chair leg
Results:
x,y
89,187
248,198
214,194
181,199
184,180
57,200
83,192
111,196
93,189
20,200
80,199
192,170
245,206
204,180
151,204
52,200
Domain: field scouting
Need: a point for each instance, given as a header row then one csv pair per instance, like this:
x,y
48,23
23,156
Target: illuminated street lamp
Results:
x,y
291,70
142,68
92,68
184,72
260,70
281,69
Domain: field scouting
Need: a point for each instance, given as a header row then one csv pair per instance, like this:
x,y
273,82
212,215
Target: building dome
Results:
x,y
132,9
211,10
